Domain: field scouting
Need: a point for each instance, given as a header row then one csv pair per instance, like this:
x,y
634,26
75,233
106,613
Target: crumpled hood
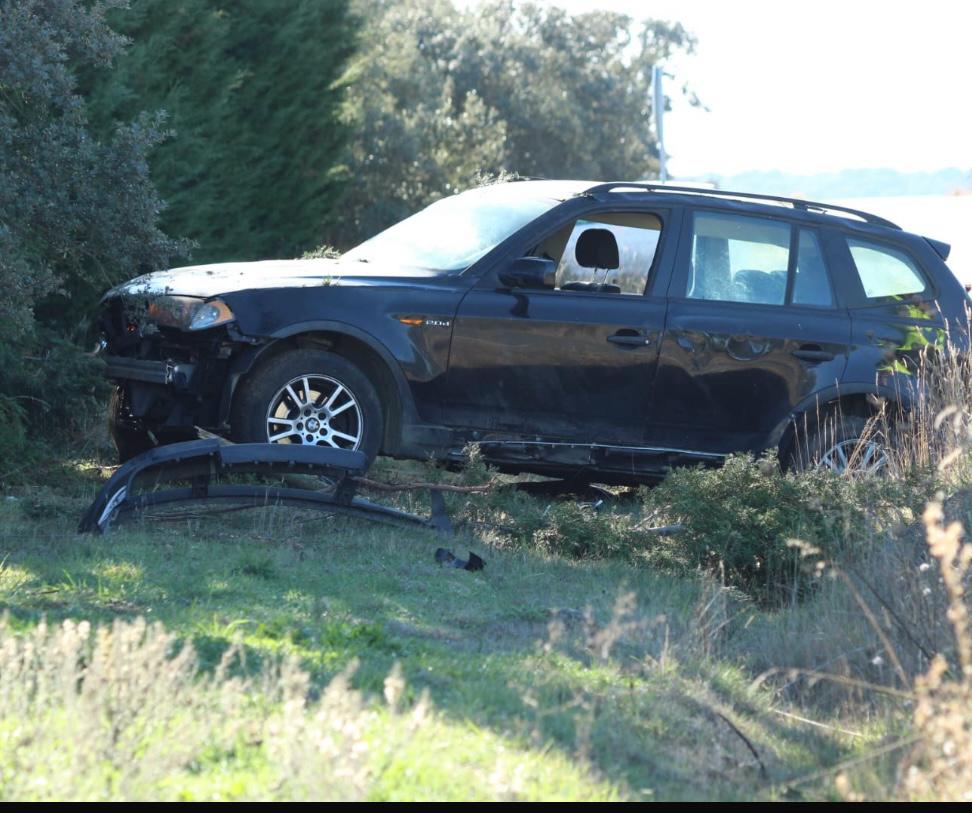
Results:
x,y
224,278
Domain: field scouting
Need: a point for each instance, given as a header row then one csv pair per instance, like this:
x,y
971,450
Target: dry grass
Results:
x,y
122,712
940,766
125,713
930,441
907,604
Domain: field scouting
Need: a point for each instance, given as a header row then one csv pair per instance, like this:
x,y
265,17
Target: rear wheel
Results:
x,y
309,397
845,444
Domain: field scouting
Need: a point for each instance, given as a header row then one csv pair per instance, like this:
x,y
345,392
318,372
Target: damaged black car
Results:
x,y
599,331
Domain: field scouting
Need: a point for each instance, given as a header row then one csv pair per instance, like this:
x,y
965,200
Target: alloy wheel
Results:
x,y
855,456
315,410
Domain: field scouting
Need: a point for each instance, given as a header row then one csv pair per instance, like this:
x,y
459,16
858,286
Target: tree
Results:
x,y
438,94
252,94
77,213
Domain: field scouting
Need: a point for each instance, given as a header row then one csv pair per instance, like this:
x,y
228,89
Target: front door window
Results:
x,y
637,235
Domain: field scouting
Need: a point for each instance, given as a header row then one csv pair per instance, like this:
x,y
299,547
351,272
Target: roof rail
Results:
x,y
796,203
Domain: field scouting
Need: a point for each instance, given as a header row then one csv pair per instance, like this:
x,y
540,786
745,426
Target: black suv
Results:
x,y
602,330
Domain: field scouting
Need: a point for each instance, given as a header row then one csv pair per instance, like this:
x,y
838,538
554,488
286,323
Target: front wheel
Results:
x,y
309,397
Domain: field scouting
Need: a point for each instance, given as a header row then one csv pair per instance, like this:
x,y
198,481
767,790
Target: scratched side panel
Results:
x,y
727,373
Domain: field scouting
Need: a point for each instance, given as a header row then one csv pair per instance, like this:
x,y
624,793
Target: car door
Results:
x,y
753,330
574,362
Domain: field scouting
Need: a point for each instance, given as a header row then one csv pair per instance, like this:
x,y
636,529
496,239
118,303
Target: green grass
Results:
x,y
537,678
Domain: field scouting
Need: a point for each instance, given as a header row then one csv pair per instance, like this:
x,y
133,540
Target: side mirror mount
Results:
x,y
530,272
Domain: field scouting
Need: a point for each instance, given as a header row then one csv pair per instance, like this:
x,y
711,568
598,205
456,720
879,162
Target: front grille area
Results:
x,y
192,399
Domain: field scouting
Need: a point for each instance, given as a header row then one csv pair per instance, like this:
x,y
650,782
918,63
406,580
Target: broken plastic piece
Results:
x,y
449,559
198,462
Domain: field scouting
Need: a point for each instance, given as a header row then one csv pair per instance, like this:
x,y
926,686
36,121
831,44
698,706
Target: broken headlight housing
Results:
x,y
188,312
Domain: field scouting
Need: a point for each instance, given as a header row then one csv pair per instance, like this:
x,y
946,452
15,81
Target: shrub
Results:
x,y
580,531
738,520
13,437
252,90
77,212
60,393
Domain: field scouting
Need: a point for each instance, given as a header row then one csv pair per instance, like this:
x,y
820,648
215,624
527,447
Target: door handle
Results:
x,y
813,352
629,339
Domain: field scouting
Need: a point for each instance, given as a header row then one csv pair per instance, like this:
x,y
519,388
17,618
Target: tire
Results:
x,y
309,396
846,444
126,433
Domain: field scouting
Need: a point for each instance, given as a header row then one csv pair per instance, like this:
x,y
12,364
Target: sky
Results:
x,y
821,86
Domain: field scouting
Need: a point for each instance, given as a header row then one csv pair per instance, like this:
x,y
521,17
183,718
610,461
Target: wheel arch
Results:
x,y
358,347
864,400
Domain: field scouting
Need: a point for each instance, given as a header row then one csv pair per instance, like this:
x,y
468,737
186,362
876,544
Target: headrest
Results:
x,y
597,248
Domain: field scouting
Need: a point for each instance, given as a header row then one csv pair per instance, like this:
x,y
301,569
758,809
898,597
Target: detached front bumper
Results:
x,y
166,373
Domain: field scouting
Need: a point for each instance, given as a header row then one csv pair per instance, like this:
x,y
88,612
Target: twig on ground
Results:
x,y
752,748
661,530
379,486
842,679
808,721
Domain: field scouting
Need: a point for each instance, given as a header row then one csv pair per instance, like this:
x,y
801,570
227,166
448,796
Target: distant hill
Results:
x,y
850,183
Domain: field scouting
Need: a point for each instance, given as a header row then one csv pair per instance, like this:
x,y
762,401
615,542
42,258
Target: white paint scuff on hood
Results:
x,y
223,278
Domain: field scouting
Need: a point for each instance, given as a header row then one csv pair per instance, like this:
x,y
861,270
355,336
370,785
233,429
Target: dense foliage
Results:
x,y
77,213
284,140
251,91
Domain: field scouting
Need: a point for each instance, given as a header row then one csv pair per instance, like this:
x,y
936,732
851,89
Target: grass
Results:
x,y
539,678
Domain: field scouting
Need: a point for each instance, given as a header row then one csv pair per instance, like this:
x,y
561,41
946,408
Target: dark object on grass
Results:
x,y
567,489
449,559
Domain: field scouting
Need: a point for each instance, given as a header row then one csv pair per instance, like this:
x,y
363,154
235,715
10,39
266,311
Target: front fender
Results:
x,y
246,360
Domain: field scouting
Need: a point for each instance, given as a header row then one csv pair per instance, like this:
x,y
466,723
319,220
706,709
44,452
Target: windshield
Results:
x,y
451,234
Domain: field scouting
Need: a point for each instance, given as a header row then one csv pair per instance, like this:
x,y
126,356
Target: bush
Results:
x,y
78,212
13,437
736,522
252,90
739,520
580,531
60,388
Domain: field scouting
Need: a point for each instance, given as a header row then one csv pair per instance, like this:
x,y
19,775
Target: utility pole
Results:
x,y
658,107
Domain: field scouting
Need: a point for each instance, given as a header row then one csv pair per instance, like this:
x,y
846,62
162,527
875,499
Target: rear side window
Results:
x,y
755,260
884,271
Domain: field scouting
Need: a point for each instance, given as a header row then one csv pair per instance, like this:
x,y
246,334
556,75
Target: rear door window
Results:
x,y
756,260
